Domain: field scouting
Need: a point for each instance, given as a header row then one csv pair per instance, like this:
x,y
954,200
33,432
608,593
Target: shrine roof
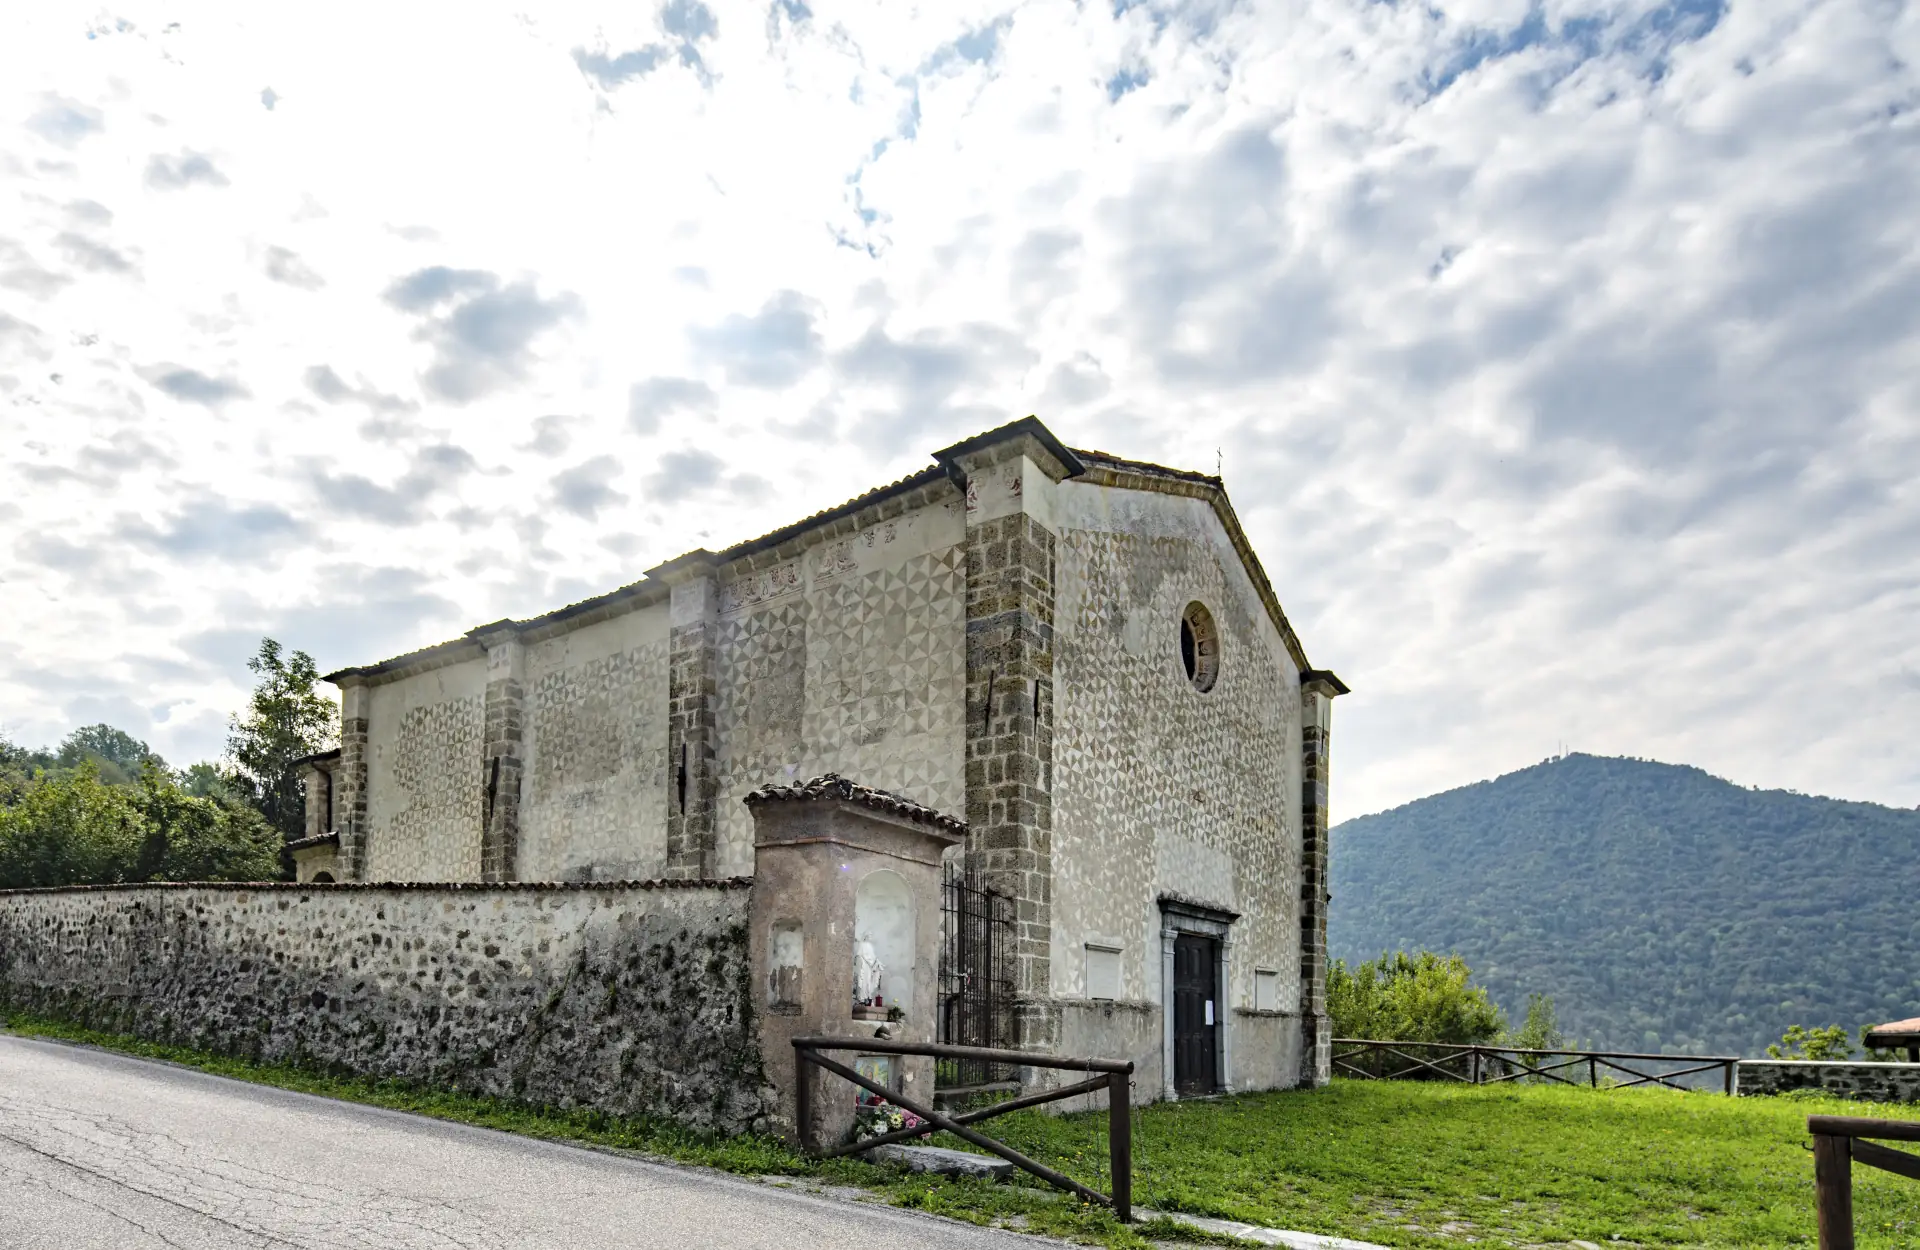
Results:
x,y
834,786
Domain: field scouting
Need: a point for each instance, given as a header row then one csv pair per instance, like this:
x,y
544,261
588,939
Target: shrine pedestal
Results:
x,y
836,863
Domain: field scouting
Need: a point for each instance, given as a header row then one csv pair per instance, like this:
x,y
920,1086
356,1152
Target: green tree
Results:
x,y
17,766
1422,997
119,755
15,756
1540,1031
1804,1043
72,829
206,781
187,838
285,719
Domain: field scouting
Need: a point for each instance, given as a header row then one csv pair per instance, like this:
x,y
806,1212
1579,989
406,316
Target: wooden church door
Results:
x,y
1196,1010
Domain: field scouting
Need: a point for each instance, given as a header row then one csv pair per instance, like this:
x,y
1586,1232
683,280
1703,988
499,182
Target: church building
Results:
x,y
1077,655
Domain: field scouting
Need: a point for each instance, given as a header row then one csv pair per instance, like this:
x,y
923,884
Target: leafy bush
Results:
x,y
1804,1043
1422,997
74,828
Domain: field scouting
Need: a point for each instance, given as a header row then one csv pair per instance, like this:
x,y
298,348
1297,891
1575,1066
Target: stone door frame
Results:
x,y
1188,916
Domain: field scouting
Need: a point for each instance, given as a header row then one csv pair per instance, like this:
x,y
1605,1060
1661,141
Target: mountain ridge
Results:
x,y
1660,906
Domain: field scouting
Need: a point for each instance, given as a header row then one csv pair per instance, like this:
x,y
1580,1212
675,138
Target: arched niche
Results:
x,y
883,915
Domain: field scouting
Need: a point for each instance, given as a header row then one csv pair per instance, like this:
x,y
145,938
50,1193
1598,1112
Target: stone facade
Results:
x,y
691,815
1868,1082
350,781
629,998
999,636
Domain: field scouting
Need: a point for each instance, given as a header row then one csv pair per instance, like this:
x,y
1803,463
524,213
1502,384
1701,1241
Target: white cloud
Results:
x,y
1559,357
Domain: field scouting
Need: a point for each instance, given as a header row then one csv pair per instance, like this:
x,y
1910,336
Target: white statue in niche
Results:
x,y
867,971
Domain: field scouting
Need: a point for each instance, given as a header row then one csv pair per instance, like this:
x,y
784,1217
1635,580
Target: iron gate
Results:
x,y
976,986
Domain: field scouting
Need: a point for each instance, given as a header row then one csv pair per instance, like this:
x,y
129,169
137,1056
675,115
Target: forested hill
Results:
x,y
1661,907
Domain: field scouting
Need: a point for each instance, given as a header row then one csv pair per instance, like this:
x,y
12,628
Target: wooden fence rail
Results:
x,y
1113,1075
1839,1142
1492,1065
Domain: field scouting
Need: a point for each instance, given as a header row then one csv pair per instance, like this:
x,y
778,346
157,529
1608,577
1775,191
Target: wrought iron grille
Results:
x,y
976,987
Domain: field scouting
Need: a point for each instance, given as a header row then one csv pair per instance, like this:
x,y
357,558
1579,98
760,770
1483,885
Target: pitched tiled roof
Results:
x,y
1102,468
1895,1033
834,786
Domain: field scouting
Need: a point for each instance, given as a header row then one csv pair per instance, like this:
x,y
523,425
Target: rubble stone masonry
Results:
x,y
1868,1082
631,998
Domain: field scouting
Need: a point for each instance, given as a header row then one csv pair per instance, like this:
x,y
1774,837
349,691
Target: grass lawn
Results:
x,y
1401,1163
1420,1164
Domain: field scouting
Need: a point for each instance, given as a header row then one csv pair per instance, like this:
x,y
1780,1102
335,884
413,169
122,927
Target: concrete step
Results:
x,y
943,1162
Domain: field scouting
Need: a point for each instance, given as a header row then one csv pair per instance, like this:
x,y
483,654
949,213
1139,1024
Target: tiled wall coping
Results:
x,y
470,887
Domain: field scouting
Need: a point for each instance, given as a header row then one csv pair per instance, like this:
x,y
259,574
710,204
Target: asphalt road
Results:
x,y
100,1150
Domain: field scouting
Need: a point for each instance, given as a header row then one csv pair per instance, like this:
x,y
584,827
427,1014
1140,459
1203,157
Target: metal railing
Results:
x,y
976,987
1115,1076
1493,1065
1839,1142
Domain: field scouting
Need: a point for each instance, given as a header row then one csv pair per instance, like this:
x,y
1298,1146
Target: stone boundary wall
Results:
x,y
1869,1082
632,998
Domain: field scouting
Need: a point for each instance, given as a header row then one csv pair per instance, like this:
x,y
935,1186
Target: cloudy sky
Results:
x,y
1563,359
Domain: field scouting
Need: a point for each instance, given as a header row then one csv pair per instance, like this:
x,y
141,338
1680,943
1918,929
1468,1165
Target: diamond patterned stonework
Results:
x,y
434,834
1164,789
595,803
860,675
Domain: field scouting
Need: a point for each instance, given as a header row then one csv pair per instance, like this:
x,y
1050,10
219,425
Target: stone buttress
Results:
x,y
503,755
350,781
1009,477
1317,691
693,780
